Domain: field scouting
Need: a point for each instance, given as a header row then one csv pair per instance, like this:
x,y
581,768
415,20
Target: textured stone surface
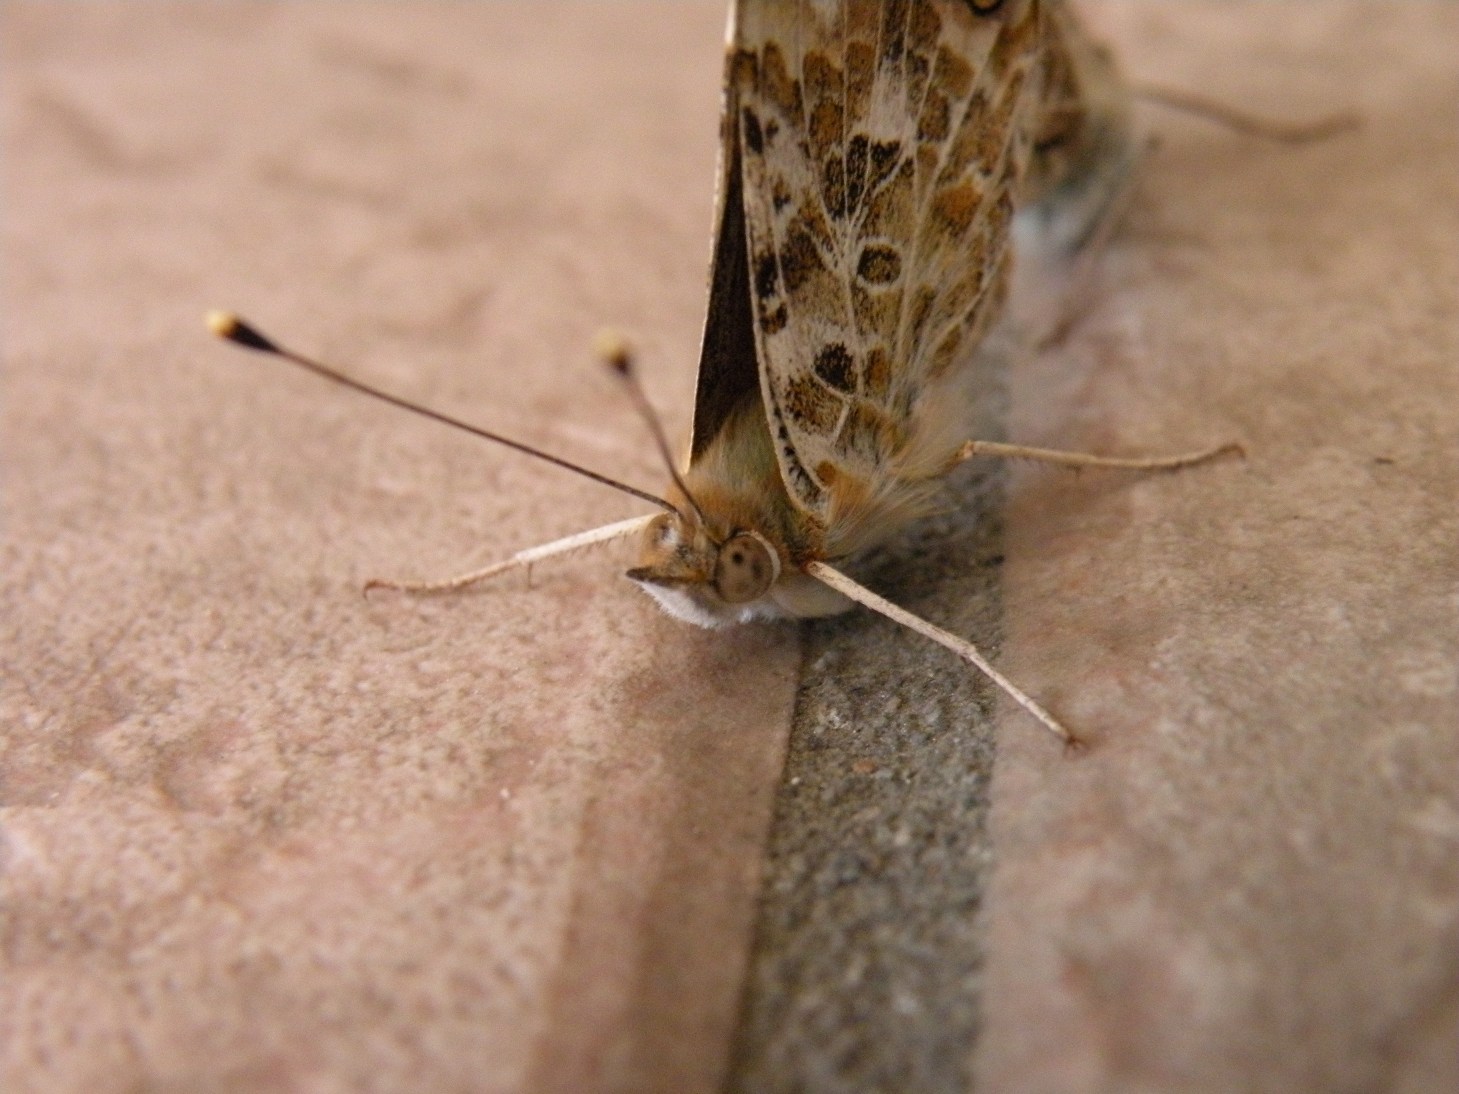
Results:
x,y
869,953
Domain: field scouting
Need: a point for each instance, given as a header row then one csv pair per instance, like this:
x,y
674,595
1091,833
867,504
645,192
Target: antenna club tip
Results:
x,y
222,323
227,325
613,347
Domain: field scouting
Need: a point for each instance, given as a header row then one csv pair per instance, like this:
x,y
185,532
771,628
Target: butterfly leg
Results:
x,y
1252,125
1083,459
520,560
960,646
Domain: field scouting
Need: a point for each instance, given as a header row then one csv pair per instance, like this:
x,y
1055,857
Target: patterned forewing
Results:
x,y
882,143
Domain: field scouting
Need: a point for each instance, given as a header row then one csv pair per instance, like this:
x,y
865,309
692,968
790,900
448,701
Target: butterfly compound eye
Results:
x,y
745,569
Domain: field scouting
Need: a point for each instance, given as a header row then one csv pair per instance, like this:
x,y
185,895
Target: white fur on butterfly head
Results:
x,y
790,594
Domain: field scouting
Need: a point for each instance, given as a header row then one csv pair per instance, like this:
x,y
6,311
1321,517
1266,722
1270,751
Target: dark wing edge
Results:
x,y
728,362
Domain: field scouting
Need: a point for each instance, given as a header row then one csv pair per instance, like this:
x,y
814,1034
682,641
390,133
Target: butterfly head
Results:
x,y
704,579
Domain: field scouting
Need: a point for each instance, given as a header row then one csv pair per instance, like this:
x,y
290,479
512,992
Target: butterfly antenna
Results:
x,y
614,350
228,326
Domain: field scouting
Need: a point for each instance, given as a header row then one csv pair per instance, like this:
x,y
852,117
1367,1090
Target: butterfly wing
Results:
x,y
881,145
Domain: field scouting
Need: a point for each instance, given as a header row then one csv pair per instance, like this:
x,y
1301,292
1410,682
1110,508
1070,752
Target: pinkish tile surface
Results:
x,y
1251,882
261,833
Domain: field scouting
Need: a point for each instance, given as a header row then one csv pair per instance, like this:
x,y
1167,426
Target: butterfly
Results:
x,y
874,156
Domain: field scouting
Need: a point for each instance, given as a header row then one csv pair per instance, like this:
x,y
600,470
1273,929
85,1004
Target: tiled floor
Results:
x,y
258,832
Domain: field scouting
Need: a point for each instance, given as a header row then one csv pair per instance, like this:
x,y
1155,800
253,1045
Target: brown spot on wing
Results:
x,y
877,373
967,141
922,35
924,29
994,134
918,69
878,310
936,119
780,194
860,74
951,74
810,406
821,76
891,211
956,206
836,367
803,486
1013,42
857,150
885,155
754,136
879,264
927,159
923,301
958,296
744,69
800,260
861,18
767,275
833,186
825,129
810,220
776,83
972,323
893,32
824,88
944,353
